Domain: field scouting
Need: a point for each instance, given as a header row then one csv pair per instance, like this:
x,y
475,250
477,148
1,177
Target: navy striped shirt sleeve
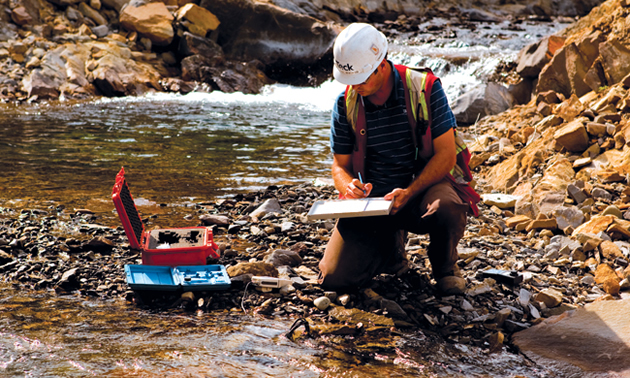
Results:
x,y
341,136
443,117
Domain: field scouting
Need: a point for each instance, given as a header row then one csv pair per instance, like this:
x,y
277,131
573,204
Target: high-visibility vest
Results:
x,y
418,84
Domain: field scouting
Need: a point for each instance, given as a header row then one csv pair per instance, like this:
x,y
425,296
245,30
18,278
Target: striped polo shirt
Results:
x,y
390,152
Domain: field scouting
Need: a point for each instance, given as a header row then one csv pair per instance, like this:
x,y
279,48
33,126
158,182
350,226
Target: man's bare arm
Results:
x,y
443,160
345,182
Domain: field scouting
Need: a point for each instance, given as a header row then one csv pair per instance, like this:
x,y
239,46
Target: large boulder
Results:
x,y
114,73
191,44
573,66
533,57
40,85
287,43
573,136
226,76
594,338
483,100
196,19
153,21
615,60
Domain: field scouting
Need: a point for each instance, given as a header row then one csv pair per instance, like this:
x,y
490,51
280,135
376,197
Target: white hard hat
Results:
x,y
357,52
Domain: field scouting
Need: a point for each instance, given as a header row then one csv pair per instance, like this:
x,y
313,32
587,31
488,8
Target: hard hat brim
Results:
x,y
350,79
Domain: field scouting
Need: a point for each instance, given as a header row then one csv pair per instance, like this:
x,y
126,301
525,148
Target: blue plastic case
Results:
x,y
188,278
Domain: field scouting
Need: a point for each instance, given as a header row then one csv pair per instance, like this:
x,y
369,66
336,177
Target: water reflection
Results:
x,y
42,335
48,336
175,149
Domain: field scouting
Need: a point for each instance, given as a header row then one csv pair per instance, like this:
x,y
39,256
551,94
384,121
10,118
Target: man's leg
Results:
x,y
442,214
398,264
358,249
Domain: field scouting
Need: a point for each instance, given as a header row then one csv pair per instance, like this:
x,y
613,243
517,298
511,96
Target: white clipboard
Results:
x,y
350,208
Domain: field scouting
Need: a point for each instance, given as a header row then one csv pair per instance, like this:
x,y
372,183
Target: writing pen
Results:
x,y
361,180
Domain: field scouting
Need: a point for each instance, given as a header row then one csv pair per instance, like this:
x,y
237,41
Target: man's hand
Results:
x,y
400,198
345,182
439,165
355,189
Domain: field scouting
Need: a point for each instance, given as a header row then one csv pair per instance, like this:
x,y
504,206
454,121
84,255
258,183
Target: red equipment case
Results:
x,y
168,247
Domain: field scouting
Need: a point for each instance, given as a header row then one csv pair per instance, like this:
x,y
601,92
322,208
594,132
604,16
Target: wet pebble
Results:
x,y
322,303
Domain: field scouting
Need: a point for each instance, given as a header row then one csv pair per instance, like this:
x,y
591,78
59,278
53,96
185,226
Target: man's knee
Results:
x,y
354,253
329,280
337,279
328,274
452,213
444,206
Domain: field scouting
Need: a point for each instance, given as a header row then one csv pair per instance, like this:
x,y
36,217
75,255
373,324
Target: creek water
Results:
x,y
179,150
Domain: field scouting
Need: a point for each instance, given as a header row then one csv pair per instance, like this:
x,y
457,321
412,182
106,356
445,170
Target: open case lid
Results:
x,y
188,278
127,211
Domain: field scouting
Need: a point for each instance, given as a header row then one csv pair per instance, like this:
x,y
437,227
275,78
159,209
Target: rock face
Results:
x,y
288,43
379,11
245,44
536,55
582,58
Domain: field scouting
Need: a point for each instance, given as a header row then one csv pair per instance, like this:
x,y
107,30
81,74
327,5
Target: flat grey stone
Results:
x,y
100,31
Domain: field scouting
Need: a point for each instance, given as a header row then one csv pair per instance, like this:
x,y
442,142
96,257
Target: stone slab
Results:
x,y
595,339
502,201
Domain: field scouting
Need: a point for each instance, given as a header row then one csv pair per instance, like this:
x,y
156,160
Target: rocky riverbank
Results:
x,y
267,233
73,49
553,172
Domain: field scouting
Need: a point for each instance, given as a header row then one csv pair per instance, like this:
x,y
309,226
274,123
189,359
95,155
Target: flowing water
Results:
x,y
179,150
